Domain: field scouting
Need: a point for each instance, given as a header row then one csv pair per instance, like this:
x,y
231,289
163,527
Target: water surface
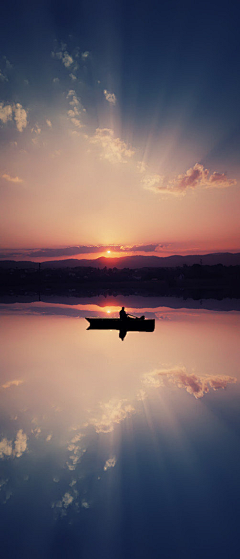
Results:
x,y
119,449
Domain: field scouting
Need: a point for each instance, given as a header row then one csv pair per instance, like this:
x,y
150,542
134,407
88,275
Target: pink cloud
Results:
x,y
197,385
194,177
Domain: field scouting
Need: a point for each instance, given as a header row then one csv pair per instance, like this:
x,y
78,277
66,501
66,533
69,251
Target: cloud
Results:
x,y
71,93
3,78
81,249
36,129
77,451
36,432
76,122
12,383
112,412
110,463
49,123
76,110
20,117
73,77
142,248
113,149
5,448
197,385
8,64
67,60
85,504
57,55
63,55
20,443
141,167
195,177
85,55
110,97
12,179
65,502
56,80
219,180
5,113
152,181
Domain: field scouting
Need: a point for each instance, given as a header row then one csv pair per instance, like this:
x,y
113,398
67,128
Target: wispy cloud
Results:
x,y
49,123
58,55
77,449
110,463
3,77
85,55
112,149
110,97
12,179
12,383
8,64
76,110
36,129
111,413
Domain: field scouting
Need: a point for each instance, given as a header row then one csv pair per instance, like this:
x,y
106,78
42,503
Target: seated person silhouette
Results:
x,y
123,315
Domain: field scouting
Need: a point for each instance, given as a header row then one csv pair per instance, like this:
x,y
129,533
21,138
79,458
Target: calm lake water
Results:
x,y
112,449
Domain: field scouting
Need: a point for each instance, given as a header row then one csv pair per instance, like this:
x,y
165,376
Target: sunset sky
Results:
x,y
119,127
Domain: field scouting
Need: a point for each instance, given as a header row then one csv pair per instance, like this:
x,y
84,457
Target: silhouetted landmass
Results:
x,y
138,261
197,281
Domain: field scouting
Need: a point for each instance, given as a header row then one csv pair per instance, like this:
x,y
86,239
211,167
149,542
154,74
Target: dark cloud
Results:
x,y
142,248
74,250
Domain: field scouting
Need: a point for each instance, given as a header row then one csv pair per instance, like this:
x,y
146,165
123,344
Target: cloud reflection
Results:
x,y
112,412
20,446
110,463
197,385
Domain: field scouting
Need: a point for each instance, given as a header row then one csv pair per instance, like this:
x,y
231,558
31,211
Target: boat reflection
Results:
x,y
128,324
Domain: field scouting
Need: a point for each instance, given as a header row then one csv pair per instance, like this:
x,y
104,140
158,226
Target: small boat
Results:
x,y
129,324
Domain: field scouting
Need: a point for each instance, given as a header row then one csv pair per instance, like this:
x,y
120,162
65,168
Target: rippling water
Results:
x,y
118,449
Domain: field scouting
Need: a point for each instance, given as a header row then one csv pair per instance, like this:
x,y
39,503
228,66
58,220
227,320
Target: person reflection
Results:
x,y
123,317
122,333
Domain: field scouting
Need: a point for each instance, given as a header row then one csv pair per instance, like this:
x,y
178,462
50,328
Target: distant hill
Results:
x,y
225,258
